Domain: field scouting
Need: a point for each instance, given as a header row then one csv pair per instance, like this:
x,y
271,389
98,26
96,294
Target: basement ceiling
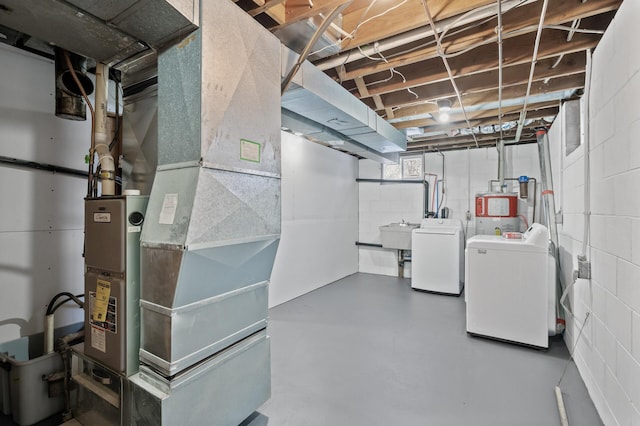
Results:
x,y
387,54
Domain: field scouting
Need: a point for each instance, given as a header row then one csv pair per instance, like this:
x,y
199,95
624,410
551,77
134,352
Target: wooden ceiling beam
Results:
x,y
409,16
542,109
487,139
516,50
362,88
265,7
299,10
558,12
378,102
512,76
484,121
417,111
574,81
274,9
514,70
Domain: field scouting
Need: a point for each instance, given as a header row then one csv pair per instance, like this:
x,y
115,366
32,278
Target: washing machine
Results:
x,y
510,287
437,256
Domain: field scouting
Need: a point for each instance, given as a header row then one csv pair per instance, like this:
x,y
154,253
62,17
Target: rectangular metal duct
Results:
x,y
318,133
213,221
315,96
108,31
212,225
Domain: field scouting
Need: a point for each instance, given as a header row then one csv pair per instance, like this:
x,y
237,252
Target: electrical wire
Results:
x,y
514,33
470,25
352,34
446,64
51,308
573,349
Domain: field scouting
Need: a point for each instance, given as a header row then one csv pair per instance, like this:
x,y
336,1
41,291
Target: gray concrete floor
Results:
x,y
368,350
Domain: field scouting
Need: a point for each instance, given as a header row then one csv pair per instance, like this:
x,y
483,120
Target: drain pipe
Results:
x,y
107,165
587,147
501,164
547,198
546,182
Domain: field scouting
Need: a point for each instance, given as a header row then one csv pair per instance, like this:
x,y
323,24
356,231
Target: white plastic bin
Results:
x,y
28,393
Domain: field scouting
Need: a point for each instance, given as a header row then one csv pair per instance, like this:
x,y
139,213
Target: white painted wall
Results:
x,y
608,353
467,172
41,214
319,219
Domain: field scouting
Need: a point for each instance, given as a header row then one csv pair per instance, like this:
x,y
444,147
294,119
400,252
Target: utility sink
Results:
x,y
397,235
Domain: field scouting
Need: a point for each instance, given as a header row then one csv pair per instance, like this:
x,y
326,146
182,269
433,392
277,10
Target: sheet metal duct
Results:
x,y
316,97
108,31
212,226
318,133
140,141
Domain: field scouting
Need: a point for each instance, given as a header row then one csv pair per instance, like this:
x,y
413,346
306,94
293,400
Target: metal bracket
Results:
x,y
584,268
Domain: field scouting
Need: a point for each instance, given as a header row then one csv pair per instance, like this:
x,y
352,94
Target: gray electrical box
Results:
x,y
112,280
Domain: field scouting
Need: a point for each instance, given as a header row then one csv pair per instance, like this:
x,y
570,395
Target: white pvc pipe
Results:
x,y
49,327
107,165
587,147
564,420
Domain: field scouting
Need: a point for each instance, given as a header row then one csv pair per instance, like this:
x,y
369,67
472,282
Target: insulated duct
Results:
x,y
212,225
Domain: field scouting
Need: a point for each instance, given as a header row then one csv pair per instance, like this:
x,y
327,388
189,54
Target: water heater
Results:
x,y
496,212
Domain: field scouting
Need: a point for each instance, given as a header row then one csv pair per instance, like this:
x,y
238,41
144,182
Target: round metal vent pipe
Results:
x,y
69,102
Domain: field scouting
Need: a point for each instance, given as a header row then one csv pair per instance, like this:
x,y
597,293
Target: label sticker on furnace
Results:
x,y
103,291
98,339
109,321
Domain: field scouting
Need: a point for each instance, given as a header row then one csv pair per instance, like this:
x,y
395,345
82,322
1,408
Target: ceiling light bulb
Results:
x,y
444,116
444,105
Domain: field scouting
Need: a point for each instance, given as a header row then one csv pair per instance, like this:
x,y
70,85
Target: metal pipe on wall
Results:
x,y
67,59
535,193
534,59
501,164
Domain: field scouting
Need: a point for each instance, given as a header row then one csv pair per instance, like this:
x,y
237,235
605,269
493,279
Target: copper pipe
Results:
x,y
93,120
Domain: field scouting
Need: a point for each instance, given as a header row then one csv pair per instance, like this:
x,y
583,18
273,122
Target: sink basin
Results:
x,y
397,235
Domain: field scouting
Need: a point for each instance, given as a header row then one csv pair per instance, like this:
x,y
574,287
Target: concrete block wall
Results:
x,y
467,172
382,204
608,351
